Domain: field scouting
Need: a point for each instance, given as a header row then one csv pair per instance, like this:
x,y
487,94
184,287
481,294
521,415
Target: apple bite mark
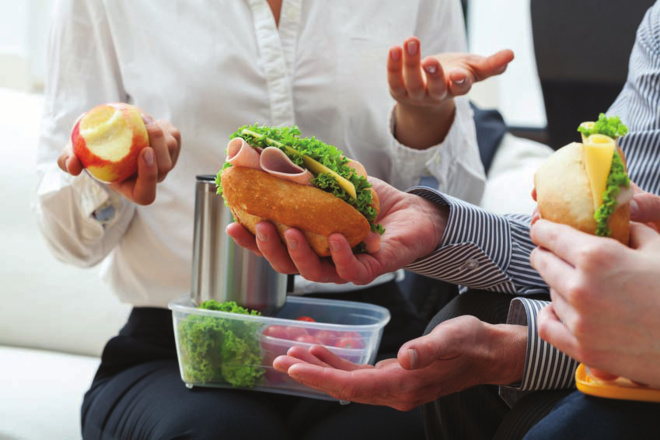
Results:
x,y
108,139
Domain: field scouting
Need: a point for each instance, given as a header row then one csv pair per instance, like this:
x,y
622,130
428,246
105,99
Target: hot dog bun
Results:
x,y
564,194
254,195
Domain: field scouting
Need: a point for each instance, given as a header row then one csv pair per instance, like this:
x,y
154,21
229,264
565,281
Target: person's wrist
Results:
x,y
508,345
438,216
421,127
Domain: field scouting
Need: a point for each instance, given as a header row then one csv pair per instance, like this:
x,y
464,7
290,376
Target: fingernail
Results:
x,y
431,68
459,81
334,245
412,356
395,55
149,157
261,236
292,243
634,208
412,48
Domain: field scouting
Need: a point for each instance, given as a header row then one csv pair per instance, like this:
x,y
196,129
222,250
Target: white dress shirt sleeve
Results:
x,y
81,219
455,162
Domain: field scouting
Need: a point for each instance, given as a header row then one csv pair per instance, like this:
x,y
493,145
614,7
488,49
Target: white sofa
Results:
x,y
56,318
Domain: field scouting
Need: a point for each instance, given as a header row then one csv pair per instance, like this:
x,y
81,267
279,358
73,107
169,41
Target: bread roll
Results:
x,y
253,196
563,194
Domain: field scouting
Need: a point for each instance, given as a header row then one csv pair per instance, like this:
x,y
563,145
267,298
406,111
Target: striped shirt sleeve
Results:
x,y
481,250
486,251
638,105
546,368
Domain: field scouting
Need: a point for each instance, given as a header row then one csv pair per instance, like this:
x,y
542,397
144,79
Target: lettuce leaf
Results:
x,y
616,179
218,350
612,127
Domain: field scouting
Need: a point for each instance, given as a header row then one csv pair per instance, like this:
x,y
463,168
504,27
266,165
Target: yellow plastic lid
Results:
x,y
620,388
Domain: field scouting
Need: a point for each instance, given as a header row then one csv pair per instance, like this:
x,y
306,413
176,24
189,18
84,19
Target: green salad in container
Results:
x,y
218,350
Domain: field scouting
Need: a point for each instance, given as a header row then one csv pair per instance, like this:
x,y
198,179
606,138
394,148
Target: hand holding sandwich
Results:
x,y
604,292
414,229
605,296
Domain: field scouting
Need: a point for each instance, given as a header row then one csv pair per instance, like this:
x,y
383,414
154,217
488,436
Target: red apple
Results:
x,y
108,139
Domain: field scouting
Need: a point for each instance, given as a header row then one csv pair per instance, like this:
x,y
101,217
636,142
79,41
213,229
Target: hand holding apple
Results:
x,y
108,139
120,145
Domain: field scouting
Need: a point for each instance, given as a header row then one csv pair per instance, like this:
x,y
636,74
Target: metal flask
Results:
x,y
224,271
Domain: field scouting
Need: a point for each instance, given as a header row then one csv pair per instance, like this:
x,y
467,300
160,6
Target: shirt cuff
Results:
x,y
441,161
546,368
94,204
477,256
410,163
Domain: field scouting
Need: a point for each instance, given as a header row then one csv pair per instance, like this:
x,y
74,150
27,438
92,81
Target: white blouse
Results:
x,y
210,67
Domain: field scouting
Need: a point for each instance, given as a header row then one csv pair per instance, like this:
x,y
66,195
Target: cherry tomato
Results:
x,y
327,337
276,331
350,340
292,332
305,318
308,339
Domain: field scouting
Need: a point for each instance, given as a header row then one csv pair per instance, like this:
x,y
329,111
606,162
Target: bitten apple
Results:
x,y
108,139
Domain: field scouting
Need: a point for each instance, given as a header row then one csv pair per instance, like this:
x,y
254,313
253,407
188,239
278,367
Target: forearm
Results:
x,y
423,127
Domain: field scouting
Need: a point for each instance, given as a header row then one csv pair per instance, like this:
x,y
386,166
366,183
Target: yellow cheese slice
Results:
x,y
598,153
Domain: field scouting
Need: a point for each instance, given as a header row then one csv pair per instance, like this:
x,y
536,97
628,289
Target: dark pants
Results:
x,y
584,417
138,392
479,412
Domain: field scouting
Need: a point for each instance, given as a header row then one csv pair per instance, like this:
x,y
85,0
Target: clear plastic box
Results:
x,y
230,350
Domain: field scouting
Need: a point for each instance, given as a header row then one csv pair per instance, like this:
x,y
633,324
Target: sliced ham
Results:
x,y
275,162
241,154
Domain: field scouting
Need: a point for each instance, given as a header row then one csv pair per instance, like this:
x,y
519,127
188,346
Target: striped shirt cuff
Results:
x,y
546,368
474,250
481,250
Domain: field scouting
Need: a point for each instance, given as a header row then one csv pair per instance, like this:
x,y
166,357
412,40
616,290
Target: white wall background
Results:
x,y
23,33
506,24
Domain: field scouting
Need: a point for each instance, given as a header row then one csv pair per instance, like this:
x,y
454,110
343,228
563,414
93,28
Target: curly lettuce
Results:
x,y
612,127
617,178
217,350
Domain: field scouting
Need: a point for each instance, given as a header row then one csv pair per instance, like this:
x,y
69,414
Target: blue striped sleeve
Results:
x,y
546,368
481,250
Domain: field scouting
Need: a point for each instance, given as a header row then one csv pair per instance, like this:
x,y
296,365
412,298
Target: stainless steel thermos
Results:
x,y
222,270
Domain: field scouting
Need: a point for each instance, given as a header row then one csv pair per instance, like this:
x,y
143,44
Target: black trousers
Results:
x,y
138,393
479,412
583,417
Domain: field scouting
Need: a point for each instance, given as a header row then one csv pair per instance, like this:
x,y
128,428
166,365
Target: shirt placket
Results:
x,y
277,53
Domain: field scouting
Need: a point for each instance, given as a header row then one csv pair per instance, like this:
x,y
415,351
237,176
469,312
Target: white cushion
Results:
x,y
45,303
42,392
511,176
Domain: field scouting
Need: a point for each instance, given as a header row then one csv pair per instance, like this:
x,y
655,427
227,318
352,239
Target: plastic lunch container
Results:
x,y
230,350
619,388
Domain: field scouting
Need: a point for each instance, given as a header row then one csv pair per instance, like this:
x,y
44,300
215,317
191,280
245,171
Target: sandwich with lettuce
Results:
x,y
274,174
586,185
